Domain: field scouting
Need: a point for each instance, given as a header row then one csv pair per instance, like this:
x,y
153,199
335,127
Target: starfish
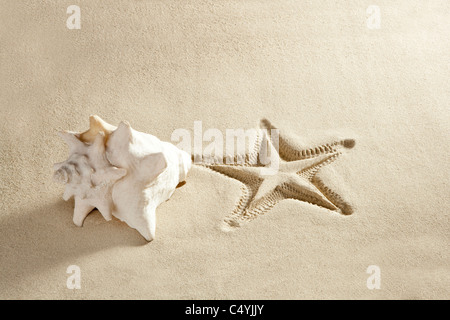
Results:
x,y
295,178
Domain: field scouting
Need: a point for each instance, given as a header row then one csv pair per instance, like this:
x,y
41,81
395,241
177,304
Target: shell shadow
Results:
x,y
33,240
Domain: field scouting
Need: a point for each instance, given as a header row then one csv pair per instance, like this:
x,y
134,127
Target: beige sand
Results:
x,y
312,67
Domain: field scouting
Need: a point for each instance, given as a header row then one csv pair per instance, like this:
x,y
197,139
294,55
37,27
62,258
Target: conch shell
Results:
x,y
154,167
121,172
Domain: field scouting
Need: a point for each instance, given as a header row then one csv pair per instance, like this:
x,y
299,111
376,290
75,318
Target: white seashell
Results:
x,y
154,169
88,176
121,172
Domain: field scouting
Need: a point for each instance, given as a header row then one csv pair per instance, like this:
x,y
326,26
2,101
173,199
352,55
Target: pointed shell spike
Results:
x,y
71,139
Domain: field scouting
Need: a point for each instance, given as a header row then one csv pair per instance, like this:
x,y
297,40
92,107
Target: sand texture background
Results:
x,y
313,68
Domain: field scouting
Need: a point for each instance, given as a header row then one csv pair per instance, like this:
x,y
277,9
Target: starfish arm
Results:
x,y
250,158
254,208
303,190
344,207
247,175
309,167
267,187
253,157
247,195
310,171
251,195
255,200
289,152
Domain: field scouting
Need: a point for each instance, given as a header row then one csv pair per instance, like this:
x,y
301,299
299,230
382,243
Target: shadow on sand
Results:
x,y
33,240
